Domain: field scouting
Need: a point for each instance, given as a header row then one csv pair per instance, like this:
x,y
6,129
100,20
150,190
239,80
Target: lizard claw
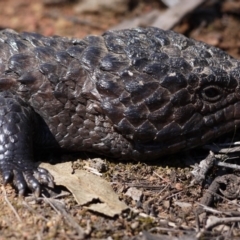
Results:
x,y
32,178
7,176
19,182
44,177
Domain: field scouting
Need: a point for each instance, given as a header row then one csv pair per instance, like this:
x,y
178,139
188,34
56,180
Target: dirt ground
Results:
x,y
167,201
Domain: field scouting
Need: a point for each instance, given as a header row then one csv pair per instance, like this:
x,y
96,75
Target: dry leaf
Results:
x,y
87,187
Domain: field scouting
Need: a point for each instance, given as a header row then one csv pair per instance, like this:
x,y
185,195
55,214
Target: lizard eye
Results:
x,y
212,93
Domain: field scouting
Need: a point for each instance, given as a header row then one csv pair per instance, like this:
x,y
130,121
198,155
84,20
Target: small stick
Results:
x,y
10,205
173,15
219,221
59,208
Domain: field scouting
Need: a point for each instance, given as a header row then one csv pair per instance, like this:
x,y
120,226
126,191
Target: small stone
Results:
x,y
134,193
134,225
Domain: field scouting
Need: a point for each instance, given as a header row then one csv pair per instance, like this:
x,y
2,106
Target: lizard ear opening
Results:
x,y
212,93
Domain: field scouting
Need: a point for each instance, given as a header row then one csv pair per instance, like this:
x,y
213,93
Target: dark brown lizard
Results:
x,y
129,94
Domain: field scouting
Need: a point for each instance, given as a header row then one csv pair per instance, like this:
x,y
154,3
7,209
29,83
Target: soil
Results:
x,y
168,200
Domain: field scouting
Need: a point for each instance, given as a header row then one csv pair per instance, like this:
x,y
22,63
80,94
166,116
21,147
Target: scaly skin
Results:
x,y
130,94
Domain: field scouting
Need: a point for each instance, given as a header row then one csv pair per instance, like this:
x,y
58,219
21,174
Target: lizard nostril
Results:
x,y
212,93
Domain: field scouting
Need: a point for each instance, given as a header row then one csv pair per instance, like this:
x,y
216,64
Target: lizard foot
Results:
x,y
28,177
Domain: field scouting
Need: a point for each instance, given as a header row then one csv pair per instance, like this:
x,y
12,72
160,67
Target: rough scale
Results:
x,y
130,94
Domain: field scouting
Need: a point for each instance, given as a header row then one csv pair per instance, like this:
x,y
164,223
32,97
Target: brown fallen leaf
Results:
x,y
87,187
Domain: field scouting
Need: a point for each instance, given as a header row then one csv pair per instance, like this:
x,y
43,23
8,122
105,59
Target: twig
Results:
x,y
199,171
224,198
59,208
64,194
143,21
212,191
93,170
161,177
179,191
74,20
212,210
208,196
169,230
230,150
30,209
145,186
227,165
51,204
231,147
219,221
229,144
10,205
174,14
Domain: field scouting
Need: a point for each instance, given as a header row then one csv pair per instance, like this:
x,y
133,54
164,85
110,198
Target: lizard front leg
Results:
x,y
16,146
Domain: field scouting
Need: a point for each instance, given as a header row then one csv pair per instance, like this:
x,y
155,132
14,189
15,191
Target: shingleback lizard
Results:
x,y
129,94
